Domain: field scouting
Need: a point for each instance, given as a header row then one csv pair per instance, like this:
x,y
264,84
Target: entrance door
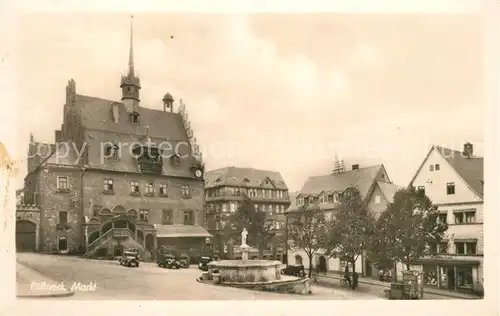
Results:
x,y
25,236
62,244
322,264
368,268
451,278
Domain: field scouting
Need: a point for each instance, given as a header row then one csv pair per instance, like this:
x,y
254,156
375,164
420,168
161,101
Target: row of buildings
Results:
x,y
452,179
108,183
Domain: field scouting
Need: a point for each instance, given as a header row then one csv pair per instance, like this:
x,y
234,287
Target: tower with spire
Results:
x,y
130,83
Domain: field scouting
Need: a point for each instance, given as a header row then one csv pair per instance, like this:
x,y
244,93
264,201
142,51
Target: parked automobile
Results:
x,y
294,270
184,261
168,261
202,264
129,259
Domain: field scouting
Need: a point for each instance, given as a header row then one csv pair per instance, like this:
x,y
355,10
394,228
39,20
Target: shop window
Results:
x,y
464,277
430,275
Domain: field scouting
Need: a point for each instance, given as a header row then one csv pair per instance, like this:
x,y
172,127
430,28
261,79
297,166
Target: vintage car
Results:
x,y
184,261
129,259
202,263
168,261
294,270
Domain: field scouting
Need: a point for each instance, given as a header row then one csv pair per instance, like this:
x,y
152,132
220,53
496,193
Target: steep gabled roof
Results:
x,y
96,114
388,189
362,178
469,169
249,177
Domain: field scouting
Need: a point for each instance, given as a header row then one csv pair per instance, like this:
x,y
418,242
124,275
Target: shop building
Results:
x,y
453,180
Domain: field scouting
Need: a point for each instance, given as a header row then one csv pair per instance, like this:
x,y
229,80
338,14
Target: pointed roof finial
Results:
x,y
131,53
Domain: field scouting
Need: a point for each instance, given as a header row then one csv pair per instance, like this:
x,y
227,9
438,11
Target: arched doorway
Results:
x,y
298,259
150,241
123,223
25,236
322,264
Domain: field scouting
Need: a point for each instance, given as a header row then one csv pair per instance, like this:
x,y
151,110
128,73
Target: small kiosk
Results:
x,y
411,288
415,284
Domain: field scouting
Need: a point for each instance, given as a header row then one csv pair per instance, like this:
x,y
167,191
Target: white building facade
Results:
x,y
453,180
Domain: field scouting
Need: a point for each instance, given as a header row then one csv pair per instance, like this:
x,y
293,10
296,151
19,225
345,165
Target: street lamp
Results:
x,y
286,240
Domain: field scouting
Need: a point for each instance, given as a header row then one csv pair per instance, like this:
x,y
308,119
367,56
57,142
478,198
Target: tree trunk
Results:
x,y
310,265
353,284
407,266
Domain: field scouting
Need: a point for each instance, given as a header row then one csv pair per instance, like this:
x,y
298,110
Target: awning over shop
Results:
x,y
444,261
171,231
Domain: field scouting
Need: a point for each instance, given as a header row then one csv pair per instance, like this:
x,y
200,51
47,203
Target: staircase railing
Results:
x,y
96,243
114,232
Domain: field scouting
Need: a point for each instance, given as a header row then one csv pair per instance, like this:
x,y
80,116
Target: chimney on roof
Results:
x,y
355,167
468,150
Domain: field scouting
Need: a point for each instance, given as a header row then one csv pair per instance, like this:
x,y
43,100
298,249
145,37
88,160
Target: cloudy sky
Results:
x,y
273,91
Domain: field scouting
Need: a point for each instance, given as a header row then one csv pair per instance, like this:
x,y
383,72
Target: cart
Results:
x,y
411,288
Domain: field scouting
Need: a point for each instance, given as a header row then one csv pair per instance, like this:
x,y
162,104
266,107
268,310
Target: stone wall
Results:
x,y
94,197
52,201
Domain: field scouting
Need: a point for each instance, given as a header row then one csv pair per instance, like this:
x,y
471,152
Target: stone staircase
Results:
x,y
123,236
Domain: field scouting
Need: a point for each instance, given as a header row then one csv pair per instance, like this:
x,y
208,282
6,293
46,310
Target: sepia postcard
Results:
x,y
153,157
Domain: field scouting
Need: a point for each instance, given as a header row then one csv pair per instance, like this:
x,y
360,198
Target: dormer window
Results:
x,y
135,117
111,151
176,160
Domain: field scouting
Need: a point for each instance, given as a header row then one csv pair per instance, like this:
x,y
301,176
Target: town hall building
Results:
x,y
119,175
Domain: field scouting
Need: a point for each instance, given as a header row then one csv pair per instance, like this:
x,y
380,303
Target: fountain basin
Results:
x,y
238,271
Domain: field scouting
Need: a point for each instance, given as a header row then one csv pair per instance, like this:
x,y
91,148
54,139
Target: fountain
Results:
x,y
264,275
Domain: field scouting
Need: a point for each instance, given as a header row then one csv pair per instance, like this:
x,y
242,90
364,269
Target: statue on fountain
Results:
x,y
244,235
244,247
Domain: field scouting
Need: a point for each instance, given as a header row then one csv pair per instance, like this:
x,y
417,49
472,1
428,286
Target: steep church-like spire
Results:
x,y
131,72
130,83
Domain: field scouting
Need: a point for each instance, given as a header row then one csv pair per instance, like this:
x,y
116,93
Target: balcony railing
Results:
x,y
150,166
